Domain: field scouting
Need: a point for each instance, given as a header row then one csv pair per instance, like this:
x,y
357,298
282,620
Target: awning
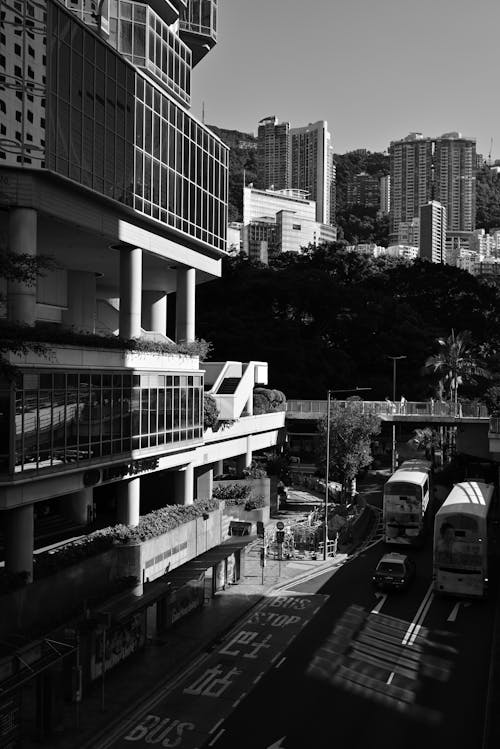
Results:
x,y
128,604
29,660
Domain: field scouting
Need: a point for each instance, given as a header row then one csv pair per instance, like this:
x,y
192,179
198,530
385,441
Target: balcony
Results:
x,y
198,27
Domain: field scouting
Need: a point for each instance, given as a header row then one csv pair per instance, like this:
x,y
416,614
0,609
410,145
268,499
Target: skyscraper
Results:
x,y
442,169
433,232
298,158
312,167
273,157
454,170
410,179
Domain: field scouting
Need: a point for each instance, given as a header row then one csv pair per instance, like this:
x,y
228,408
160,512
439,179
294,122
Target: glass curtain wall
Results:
x,y
76,417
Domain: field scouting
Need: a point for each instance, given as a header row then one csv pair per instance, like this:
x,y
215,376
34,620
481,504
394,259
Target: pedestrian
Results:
x,y
431,401
389,405
402,408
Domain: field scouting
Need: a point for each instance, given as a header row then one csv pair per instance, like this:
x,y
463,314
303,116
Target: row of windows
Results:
x,y
75,417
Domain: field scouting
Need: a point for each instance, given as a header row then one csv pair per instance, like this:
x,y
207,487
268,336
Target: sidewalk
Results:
x,y
135,680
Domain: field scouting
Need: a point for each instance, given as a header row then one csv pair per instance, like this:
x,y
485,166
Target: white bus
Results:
x,y
407,495
461,540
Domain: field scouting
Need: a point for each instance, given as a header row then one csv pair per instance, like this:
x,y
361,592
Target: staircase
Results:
x,y
228,386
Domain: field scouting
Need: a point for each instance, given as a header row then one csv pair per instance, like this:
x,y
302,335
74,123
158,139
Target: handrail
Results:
x,y
388,408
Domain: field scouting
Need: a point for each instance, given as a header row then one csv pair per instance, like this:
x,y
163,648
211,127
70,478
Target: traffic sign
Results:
x,y
280,525
280,537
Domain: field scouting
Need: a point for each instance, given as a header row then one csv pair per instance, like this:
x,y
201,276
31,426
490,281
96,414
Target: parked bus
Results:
x,y
407,494
461,540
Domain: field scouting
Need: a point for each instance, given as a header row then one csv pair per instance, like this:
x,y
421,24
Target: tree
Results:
x,y
210,412
427,439
456,363
351,435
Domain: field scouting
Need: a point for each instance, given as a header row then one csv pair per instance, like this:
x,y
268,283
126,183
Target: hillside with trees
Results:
x,y
242,166
329,318
487,199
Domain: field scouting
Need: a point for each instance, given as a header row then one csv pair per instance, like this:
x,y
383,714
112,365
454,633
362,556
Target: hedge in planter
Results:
x,y
154,524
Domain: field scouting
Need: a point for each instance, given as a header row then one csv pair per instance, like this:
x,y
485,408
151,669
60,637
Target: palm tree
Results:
x,y
456,363
427,439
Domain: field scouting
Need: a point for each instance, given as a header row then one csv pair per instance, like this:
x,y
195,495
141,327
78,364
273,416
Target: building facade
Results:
x,y
410,179
441,169
276,221
104,169
273,154
433,232
364,190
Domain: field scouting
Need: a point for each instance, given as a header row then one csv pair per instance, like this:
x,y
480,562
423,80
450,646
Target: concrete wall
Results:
x,y
54,599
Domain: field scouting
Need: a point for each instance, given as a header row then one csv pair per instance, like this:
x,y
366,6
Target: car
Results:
x,y
394,572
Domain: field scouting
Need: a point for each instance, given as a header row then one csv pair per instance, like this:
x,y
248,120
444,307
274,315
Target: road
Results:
x,y
331,662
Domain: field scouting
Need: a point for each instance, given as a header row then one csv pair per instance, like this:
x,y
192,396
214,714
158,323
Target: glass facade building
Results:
x,y
111,124
76,417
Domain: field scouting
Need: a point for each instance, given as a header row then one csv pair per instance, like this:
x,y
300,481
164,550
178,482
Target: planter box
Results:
x,y
237,512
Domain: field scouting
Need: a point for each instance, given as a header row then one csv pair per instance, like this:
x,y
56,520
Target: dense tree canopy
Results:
x,y
329,319
242,167
487,199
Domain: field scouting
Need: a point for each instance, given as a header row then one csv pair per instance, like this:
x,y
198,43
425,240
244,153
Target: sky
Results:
x,y
374,69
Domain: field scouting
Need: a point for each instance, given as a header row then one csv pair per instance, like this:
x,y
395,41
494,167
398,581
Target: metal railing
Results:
x,y
388,408
495,425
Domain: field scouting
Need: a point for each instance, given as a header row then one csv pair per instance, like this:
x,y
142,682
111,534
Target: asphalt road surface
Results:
x,y
330,663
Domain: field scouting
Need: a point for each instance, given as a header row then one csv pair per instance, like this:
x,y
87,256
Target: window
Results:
x,y
297,227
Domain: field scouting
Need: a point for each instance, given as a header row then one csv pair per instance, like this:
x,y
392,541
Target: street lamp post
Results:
x,y
327,472
393,458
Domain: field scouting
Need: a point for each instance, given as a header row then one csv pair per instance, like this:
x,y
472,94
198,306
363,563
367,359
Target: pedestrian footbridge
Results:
x,y
428,412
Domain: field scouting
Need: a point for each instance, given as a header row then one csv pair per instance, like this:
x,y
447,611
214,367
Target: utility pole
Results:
x,y
327,472
393,456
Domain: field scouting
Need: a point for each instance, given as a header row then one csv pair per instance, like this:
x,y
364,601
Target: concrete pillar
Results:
x,y
81,312
154,311
204,482
245,460
184,486
185,305
19,540
219,468
78,506
21,297
128,501
249,405
130,292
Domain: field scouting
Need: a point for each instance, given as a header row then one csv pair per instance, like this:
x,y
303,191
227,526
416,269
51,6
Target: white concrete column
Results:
x,y
245,460
130,292
204,482
184,486
78,506
128,501
154,311
19,540
249,405
81,312
21,297
219,468
185,305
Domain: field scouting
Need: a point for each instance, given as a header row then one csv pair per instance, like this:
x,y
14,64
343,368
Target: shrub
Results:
x,y
210,412
150,526
254,471
255,503
232,494
266,401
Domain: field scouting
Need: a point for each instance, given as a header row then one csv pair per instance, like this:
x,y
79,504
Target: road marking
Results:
x,y
418,616
237,702
391,677
258,677
378,606
281,661
277,744
216,738
369,546
212,730
452,617
418,627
